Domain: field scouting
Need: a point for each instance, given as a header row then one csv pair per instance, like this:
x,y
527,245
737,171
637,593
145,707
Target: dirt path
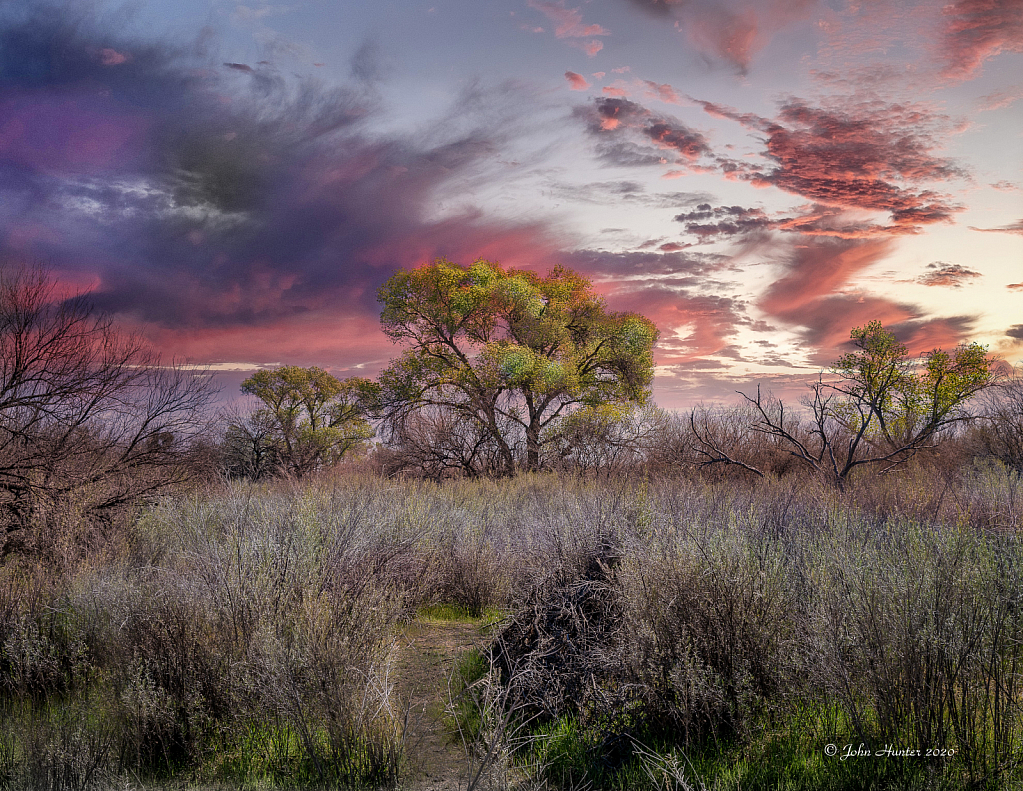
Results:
x,y
427,652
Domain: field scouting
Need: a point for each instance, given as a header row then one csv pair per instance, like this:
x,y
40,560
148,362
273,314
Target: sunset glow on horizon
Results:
x,y
755,176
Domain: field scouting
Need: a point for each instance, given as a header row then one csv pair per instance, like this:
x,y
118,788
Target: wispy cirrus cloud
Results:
x,y
1015,228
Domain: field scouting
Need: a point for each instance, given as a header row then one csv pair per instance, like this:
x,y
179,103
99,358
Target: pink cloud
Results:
x,y
999,100
577,81
732,30
812,295
610,90
569,22
621,116
817,268
65,134
663,92
1015,286
731,36
708,321
111,57
868,155
978,30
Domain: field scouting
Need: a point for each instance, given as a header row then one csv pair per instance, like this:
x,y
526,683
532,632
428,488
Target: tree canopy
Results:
x,y
315,417
509,350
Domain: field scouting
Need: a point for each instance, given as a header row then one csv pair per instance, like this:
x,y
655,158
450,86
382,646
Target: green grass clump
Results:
x,y
456,613
465,714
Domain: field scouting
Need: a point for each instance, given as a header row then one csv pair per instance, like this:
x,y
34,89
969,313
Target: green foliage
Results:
x,y
898,399
510,350
315,418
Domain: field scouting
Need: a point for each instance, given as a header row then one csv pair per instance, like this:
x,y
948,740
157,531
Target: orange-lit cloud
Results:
x,y
869,155
975,31
577,81
569,25
732,30
663,92
618,117
812,295
569,21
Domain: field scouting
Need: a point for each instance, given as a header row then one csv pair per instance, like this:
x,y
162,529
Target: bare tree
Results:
x,y
879,407
87,413
606,439
437,443
251,445
1001,431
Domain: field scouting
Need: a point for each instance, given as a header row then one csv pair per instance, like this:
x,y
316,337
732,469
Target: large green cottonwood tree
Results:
x,y
511,351
315,417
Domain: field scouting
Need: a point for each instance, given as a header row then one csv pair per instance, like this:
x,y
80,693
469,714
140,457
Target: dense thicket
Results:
x,y
244,634
90,421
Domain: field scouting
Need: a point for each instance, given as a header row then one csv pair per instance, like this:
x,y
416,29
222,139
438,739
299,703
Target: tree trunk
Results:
x,y
533,446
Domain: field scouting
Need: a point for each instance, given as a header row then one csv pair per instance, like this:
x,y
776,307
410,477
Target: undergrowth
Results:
x,y
658,633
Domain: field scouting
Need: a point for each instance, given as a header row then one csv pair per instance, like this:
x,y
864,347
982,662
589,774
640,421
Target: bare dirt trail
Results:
x,y
427,652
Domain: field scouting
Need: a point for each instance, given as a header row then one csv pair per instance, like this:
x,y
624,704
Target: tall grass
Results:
x,y
725,633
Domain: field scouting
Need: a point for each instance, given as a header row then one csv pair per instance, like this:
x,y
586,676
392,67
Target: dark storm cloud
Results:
x,y
208,197
1015,331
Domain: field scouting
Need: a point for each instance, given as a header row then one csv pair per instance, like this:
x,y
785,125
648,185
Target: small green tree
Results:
x,y
316,417
509,350
880,406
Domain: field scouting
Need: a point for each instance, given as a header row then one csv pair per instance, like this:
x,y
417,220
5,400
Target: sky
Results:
x,y
236,181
